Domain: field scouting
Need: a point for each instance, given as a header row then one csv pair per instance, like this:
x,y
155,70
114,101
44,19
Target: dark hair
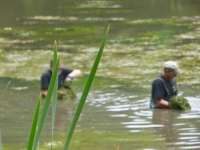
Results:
x,y
51,62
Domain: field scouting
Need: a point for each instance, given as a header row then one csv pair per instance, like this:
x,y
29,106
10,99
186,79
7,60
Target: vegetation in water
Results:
x,y
179,103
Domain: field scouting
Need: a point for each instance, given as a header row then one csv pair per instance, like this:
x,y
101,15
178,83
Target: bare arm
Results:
x,y
75,73
161,103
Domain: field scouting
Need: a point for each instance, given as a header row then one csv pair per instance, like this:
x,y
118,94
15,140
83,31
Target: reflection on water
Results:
x,y
178,130
142,36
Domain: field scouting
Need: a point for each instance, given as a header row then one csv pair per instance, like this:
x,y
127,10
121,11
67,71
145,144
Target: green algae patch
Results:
x,y
33,36
179,103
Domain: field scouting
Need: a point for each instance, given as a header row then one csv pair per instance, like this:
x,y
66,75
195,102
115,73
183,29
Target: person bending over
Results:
x,y
64,74
164,86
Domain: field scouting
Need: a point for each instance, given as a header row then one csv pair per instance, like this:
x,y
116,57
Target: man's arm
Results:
x,y
45,80
161,103
75,73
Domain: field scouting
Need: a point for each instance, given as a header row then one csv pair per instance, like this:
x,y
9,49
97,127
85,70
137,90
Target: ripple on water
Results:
x,y
190,147
118,108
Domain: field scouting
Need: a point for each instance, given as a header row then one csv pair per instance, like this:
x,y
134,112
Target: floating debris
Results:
x,y
19,88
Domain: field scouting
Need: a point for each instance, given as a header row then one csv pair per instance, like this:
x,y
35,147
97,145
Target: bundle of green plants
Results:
x,y
39,117
66,92
179,103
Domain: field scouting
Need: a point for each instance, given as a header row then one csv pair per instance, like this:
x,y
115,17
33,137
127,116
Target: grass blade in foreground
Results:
x,y
85,92
5,88
34,126
0,53
54,96
46,104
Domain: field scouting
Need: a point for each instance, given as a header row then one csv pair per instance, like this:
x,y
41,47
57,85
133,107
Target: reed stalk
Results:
x,y
34,126
0,53
51,91
54,96
5,88
85,92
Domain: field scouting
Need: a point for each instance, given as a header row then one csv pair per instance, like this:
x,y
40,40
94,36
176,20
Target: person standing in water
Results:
x,y
65,74
164,86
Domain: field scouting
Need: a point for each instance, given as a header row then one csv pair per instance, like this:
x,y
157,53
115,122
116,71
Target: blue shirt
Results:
x,y
46,77
162,89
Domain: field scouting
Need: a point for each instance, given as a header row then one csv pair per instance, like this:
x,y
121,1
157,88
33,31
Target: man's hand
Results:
x,y
43,93
69,79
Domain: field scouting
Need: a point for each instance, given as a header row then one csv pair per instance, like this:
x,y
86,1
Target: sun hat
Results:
x,y
173,67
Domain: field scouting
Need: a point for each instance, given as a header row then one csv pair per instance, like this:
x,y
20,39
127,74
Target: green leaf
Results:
x,y
5,88
0,53
34,126
85,92
54,96
46,103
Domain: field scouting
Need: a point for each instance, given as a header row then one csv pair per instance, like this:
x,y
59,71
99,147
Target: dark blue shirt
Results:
x,y
162,89
46,77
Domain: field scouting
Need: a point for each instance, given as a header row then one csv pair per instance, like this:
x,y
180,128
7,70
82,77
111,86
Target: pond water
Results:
x,y
143,35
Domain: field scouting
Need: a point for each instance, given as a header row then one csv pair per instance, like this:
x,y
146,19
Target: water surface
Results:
x,y
143,35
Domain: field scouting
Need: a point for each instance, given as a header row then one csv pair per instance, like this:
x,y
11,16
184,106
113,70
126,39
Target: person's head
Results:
x,y
59,67
171,70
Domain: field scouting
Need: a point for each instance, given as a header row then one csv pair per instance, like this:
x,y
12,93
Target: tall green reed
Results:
x,y
37,124
1,147
1,95
54,96
5,88
39,118
86,91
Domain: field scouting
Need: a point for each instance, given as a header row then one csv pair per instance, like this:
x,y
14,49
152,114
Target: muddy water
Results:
x,y
142,36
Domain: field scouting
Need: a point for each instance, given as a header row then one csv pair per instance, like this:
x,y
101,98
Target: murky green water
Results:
x,y
143,35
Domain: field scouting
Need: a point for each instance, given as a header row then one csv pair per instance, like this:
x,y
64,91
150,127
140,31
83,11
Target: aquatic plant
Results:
x,y
0,132
5,88
179,103
1,146
39,118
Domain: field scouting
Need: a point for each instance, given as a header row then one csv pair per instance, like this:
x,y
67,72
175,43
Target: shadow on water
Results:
x,y
142,36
